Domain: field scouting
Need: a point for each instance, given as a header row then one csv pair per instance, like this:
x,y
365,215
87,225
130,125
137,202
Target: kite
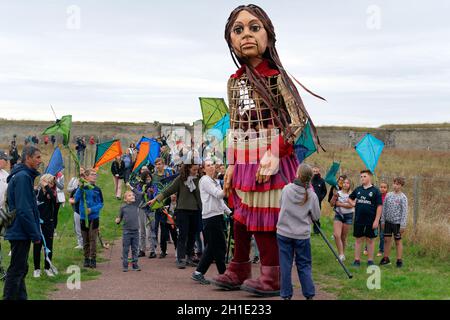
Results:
x,y
330,177
56,163
369,150
160,187
107,152
213,110
219,130
305,146
154,149
142,157
62,126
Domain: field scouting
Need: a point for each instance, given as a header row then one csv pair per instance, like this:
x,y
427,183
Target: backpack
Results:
x,y
6,216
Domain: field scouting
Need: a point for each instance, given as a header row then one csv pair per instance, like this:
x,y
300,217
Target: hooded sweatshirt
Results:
x,y
294,219
22,199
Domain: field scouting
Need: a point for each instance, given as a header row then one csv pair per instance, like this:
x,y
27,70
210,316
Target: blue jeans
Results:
x,y
130,239
381,247
302,249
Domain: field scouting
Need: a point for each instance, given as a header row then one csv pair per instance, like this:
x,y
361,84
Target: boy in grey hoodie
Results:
x,y
299,204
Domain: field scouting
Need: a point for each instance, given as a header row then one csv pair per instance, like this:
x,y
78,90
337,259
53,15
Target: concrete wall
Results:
x,y
437,139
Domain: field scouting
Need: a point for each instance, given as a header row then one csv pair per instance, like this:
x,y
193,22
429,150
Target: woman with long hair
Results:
x,y
267,115
188,209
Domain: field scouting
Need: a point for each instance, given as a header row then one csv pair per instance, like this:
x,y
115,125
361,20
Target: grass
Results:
x,y
421,278
433,194
64,253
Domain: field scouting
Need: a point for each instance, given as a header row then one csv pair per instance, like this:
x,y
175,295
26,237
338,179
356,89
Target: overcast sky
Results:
x,y
376,62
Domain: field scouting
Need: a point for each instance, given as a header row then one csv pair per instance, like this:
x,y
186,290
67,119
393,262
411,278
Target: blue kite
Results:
x,y
56,163
155,149
369,149
305,146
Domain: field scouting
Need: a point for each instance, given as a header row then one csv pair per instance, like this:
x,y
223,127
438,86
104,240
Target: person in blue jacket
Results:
x,y
24,229
90,198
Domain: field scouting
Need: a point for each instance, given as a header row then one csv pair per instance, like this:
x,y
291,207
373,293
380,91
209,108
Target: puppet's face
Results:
x,y
248,36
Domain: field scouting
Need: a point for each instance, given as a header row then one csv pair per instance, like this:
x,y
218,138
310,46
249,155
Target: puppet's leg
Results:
x,y
240,268
268,283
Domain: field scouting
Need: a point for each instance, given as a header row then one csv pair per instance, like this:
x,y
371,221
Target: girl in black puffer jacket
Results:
x,y
46,198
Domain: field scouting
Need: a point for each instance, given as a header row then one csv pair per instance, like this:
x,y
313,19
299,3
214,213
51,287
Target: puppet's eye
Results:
x,y
255,27
238,30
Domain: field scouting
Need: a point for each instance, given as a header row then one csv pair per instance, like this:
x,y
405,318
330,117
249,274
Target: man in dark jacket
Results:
x,y
320,189
25,226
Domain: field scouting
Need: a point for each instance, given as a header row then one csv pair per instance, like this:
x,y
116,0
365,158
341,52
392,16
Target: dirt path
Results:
x,y
158,280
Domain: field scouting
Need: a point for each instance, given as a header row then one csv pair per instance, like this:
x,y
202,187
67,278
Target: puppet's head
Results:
x,y
250,34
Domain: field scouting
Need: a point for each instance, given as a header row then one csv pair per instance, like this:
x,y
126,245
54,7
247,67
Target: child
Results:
x,y
367,201
343,218
90,198
147,223
72,188
383,189
299,204
171,225
129,213
46,197
393,220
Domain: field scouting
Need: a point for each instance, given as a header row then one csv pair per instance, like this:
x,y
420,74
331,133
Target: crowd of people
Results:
x,y
186,205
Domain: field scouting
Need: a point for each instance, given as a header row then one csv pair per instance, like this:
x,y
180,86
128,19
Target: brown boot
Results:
x,y
268,283
234,276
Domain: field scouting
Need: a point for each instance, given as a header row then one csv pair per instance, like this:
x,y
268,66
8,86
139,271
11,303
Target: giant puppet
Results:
x,y
267,115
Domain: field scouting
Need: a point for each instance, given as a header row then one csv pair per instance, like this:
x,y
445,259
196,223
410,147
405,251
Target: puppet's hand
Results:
x,y
228,179
268,166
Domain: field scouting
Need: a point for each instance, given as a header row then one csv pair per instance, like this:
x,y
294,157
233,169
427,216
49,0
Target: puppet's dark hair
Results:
x,y
271,55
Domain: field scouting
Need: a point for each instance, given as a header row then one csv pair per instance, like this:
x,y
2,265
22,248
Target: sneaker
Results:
x,y
49,272
356,263
93,264
78,247
309,298
141,254
125,269
199,278
380,254
399,263
162,255
255,259
37,273
370,263
341,257
385,261
181,264
152,255
136,267
87,263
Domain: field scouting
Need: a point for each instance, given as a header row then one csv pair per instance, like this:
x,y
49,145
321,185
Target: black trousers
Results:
x,y
15,288
47,231
187,223
161,226
215,244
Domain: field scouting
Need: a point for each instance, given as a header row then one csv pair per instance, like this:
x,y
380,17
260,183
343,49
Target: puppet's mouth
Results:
x,y
248,45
